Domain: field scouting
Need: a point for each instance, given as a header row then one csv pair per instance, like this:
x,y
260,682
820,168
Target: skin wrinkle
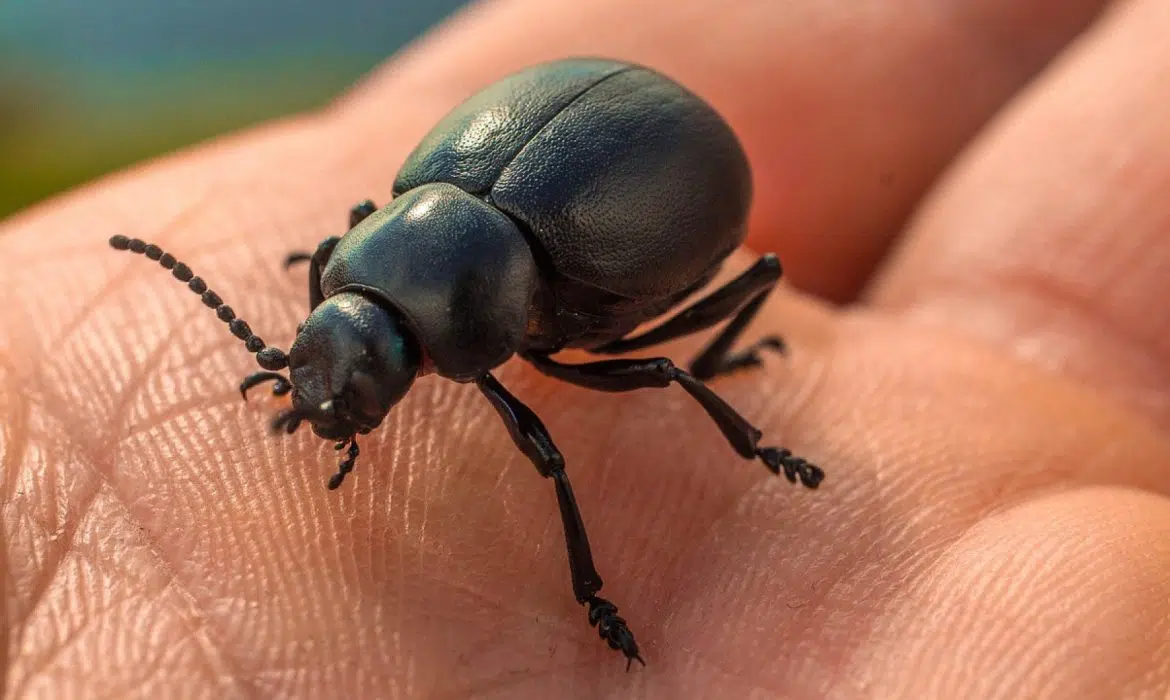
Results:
x,y
14,430
6,586
84,500
64,542
95,617
80,521
215,657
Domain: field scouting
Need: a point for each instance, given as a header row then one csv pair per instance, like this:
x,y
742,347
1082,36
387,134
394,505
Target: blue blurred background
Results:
x,y
88,86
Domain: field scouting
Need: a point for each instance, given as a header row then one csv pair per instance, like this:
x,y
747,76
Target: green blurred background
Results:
x,y
88,86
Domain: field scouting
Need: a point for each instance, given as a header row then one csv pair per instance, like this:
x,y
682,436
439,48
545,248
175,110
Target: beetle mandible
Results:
x,y
561,207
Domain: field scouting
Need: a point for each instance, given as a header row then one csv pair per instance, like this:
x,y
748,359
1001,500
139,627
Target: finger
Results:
x,y
1022,600
1051,239
847,111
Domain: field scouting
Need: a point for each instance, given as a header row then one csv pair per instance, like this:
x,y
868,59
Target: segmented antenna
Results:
x,y
268,357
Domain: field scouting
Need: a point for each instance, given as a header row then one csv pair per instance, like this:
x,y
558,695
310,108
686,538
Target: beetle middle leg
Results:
x,y
317,263
530,435
660,372
320,257
752,287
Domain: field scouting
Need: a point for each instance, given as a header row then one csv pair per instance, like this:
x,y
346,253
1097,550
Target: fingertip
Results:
x,y
1026,595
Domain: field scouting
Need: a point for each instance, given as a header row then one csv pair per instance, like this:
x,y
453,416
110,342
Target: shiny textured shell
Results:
x,y
453,266
629,183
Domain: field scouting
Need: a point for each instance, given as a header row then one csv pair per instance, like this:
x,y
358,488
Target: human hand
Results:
x,y
991,415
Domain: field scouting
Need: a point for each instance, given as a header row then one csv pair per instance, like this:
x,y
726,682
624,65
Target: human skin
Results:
x,y
968,197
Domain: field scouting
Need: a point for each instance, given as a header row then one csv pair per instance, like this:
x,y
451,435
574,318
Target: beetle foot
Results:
x,y
778,459
280,387
750,357
612,628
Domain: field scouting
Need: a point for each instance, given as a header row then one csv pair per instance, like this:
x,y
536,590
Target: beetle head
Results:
x,y
352,360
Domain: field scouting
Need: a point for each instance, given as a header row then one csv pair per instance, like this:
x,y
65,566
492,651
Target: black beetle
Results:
x,y
561,207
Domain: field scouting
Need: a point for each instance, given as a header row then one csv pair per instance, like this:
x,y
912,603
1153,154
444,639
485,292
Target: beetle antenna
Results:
x,y
267,357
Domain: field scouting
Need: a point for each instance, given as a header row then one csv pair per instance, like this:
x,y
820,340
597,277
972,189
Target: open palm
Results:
x,y
976,241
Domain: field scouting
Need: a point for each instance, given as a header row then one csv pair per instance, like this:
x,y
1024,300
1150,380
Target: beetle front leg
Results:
x,y
530,435
660,372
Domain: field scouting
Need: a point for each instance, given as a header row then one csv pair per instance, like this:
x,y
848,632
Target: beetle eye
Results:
x,y
361,395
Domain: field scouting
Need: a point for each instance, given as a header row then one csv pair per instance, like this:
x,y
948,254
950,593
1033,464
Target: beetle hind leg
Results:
x,y
748,357
717,359
530,435
739,300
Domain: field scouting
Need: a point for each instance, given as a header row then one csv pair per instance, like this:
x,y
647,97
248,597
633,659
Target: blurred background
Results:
x,y
88,86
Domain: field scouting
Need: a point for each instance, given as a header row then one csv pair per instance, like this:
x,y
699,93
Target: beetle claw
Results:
x,y
281,387
612,628
781,460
